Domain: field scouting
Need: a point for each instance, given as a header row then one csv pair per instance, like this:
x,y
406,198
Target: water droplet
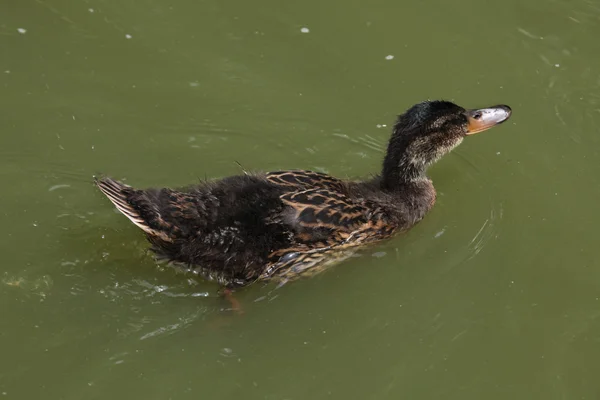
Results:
x,y
160,288
227,352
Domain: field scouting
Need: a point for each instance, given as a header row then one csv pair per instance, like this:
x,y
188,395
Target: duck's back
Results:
x,y
243,228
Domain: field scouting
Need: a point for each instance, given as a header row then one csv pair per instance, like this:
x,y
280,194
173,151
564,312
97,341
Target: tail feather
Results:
x,y
121,195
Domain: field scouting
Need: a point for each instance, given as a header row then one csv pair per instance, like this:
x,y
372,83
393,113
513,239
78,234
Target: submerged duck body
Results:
x,y
285,224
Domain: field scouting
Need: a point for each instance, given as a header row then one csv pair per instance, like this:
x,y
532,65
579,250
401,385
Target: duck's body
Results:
x,y
257,226
251,227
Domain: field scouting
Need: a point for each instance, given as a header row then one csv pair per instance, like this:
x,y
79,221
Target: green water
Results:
x,y
495,295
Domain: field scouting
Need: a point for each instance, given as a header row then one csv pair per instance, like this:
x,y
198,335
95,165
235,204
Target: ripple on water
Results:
x,y
39,285
181,322
485,213
366,141
164,314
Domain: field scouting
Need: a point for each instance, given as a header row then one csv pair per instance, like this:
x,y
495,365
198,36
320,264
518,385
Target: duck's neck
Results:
x,y
401,167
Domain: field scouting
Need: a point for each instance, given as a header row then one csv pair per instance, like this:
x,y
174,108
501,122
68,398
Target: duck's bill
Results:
x,y
486,118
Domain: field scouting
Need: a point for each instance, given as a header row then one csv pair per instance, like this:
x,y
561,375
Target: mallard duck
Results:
x,y
285,224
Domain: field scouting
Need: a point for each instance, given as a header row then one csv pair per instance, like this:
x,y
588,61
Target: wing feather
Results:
x,y
299,179
323,215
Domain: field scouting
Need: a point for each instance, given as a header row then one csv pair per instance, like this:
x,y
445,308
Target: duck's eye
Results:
x,y
477,115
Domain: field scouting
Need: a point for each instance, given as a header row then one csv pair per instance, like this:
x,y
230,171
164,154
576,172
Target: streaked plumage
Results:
x,y
284,224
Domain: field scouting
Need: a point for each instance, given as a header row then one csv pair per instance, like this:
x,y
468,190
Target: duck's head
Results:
x,y
427,131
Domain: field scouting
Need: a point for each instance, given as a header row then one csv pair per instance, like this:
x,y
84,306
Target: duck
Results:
x,y
282,225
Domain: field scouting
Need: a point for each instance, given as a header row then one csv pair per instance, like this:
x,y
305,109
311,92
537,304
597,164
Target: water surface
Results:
x,y
494,295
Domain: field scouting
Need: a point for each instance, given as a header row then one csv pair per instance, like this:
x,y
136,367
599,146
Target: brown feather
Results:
x,y
119,193
287,224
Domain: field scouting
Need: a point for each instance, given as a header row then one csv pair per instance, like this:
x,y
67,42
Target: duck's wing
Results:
x,y
324,223
318,207
323,215
299,179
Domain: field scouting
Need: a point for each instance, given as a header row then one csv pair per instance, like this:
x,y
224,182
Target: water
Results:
x,y
495,295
